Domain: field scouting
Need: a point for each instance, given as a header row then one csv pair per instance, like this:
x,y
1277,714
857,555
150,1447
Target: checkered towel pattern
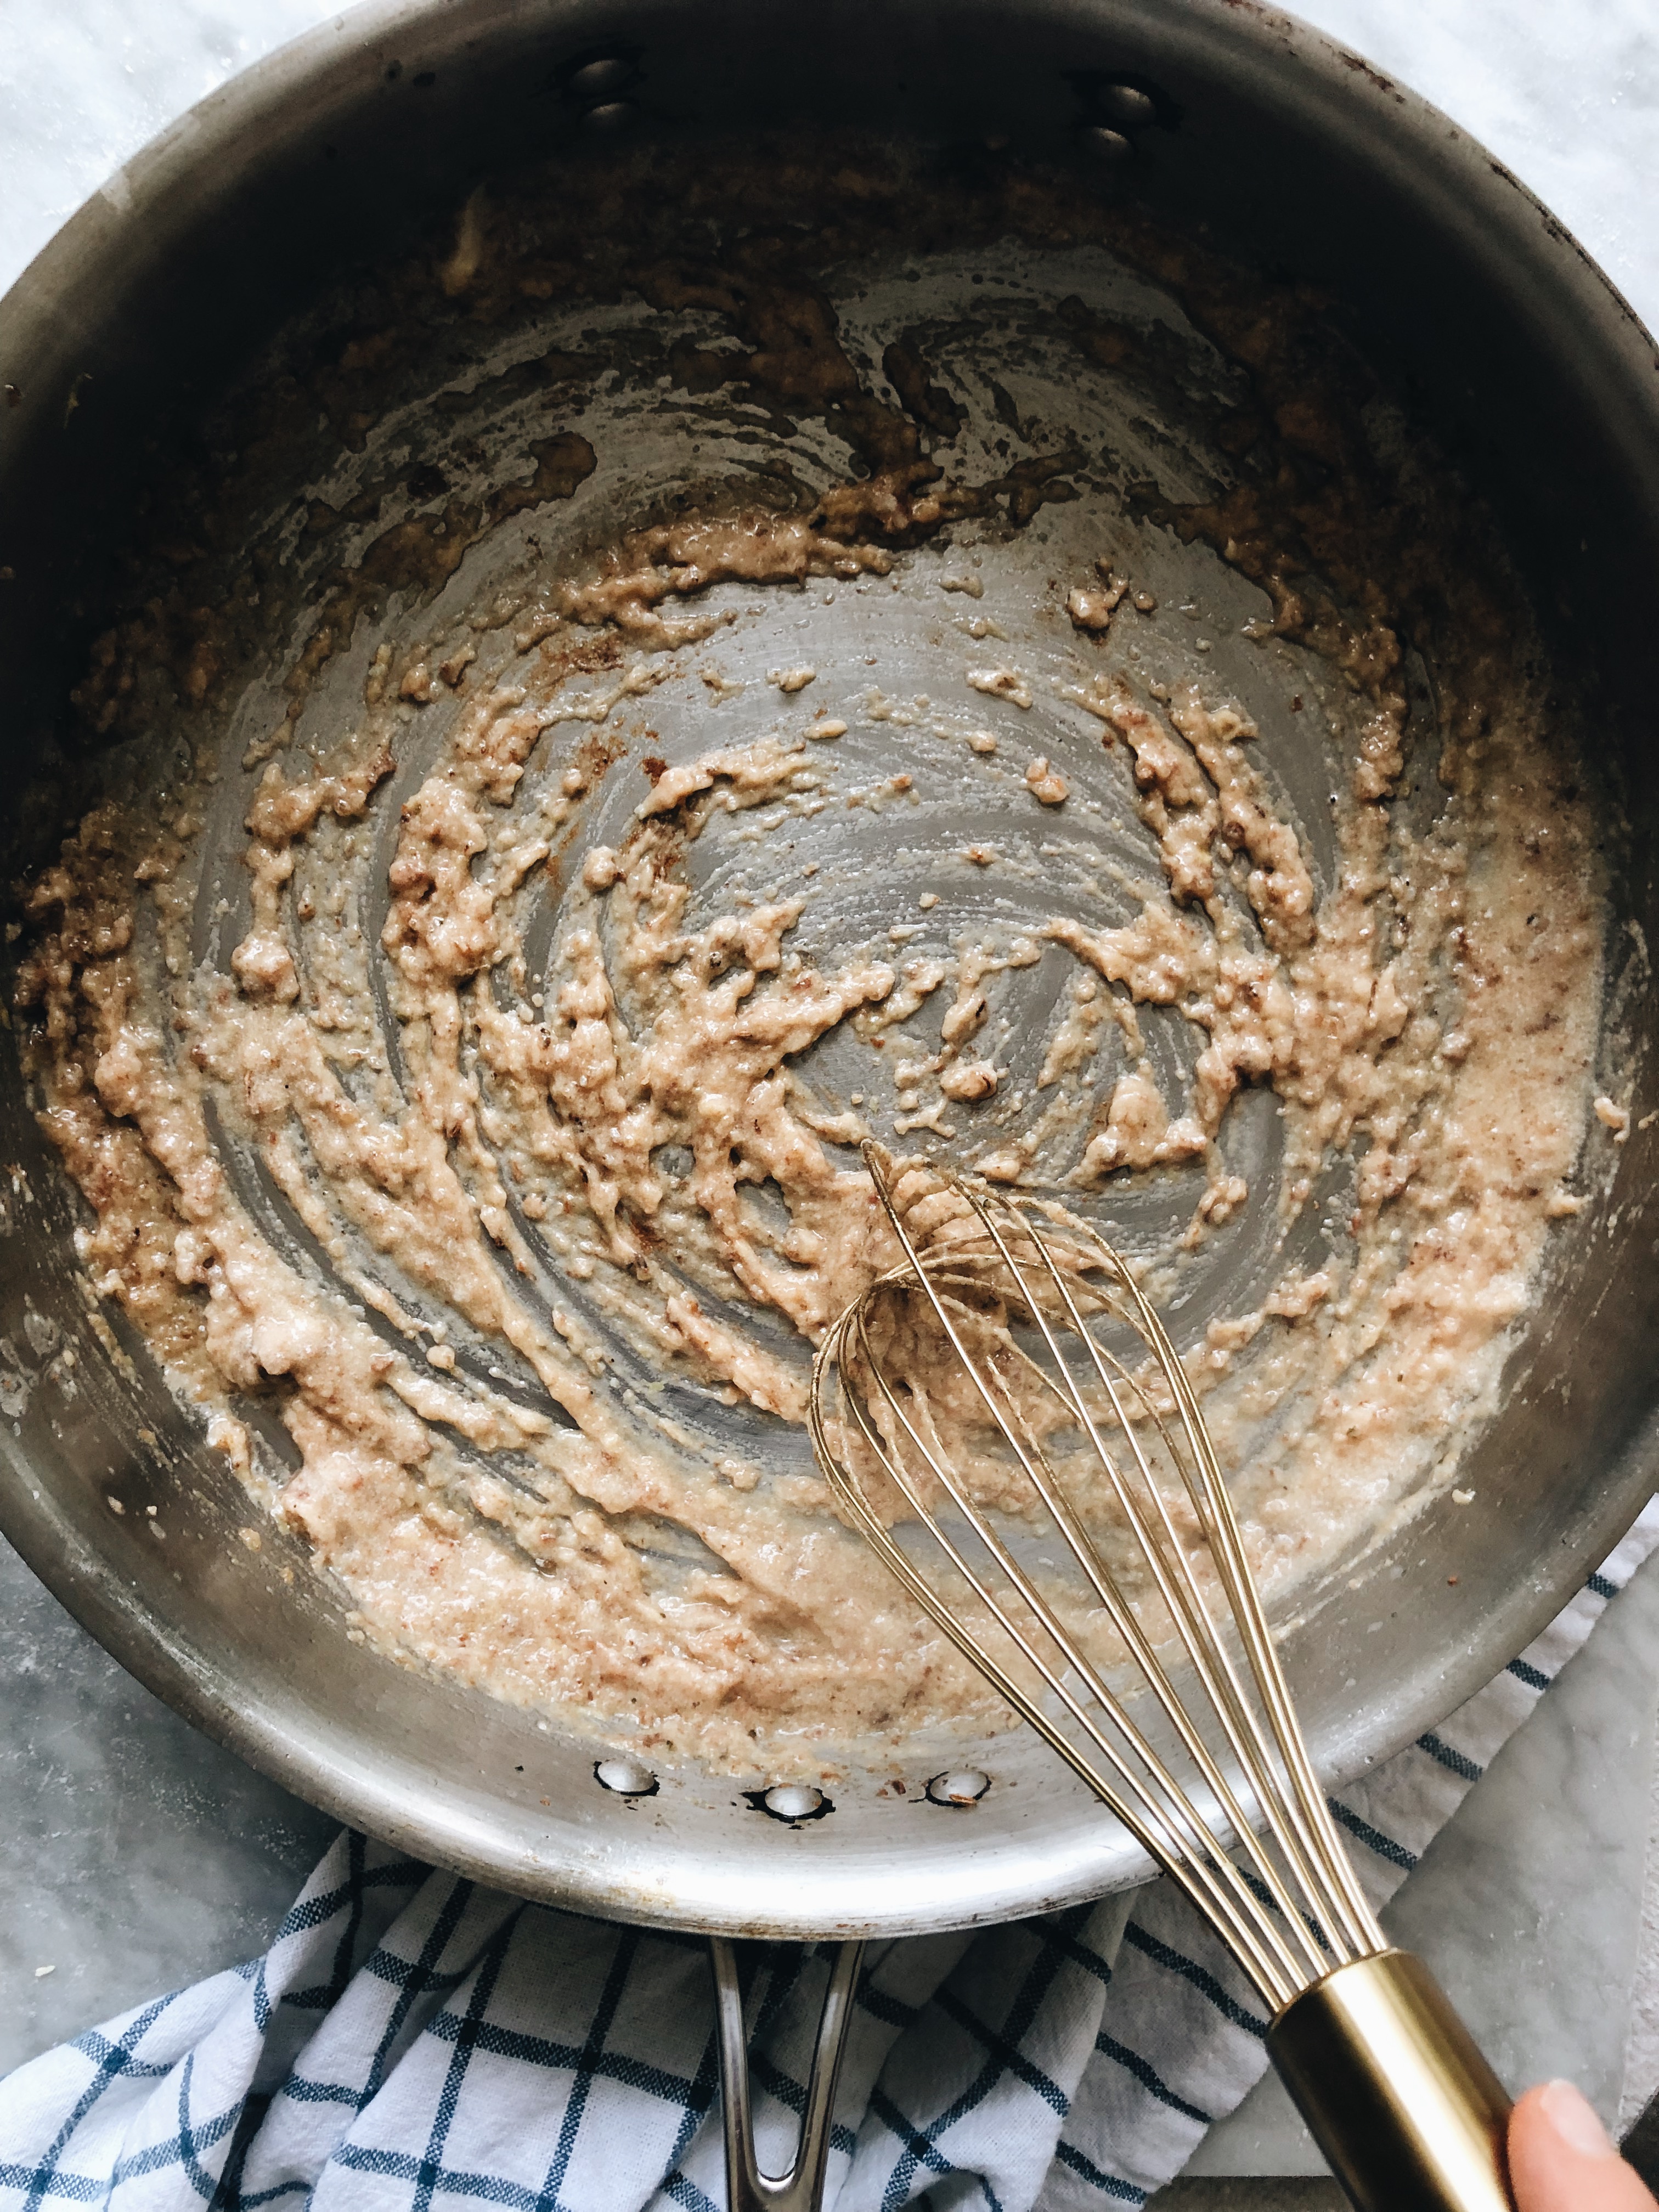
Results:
x,y
411,2042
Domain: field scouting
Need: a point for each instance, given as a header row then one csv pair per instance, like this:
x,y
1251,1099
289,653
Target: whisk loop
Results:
x,y
1286,1899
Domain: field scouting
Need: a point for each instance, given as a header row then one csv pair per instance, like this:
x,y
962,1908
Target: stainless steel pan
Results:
x,y
1533,373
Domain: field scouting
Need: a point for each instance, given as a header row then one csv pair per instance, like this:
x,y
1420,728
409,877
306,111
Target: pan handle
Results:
x,y
800,2189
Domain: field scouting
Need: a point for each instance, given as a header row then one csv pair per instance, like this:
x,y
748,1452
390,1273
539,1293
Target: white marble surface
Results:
x,y
134,1854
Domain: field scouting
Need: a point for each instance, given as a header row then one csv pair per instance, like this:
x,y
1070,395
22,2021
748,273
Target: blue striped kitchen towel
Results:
x,y
411,2042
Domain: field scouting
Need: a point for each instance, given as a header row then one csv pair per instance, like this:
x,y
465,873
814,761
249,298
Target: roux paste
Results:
x,y
504,1174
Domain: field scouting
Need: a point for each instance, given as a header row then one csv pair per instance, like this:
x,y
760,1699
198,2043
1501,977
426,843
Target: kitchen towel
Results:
x,y
411,2041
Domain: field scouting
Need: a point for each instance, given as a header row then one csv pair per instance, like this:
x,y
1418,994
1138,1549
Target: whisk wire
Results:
x,y
1215,1885
1181,1593
1283,1943
1179,1835
1177,1806
1295,1835
1245,1599
1004,1411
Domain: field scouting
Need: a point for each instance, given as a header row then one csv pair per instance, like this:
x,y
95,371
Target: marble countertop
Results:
x,y
135,1855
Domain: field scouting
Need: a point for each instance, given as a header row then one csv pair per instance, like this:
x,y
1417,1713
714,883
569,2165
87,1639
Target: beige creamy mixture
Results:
x,y
458,1126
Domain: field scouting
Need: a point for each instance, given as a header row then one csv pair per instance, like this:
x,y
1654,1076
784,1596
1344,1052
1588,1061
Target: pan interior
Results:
x,y
908,686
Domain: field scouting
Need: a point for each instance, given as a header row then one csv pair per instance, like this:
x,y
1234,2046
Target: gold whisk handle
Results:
x,y
1395,2090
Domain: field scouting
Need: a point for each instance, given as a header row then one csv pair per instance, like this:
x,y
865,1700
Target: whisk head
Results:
x,y
1004,1416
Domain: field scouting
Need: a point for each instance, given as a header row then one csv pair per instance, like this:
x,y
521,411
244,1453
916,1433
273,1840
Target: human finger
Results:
x,y
1562,2159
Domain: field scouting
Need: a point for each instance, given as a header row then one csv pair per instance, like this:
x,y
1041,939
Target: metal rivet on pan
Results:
x,y
626,1776
1107,145
964,1787
1127,104
610,115
793,1800
597,79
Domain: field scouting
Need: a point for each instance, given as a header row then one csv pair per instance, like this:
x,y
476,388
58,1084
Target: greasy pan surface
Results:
x,y
1532,375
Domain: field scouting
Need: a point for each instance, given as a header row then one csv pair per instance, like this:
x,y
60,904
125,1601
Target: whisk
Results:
x,y
1004,1418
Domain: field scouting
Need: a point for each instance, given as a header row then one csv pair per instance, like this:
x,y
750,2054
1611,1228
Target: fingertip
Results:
x,y
1562,2158
1575,2119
